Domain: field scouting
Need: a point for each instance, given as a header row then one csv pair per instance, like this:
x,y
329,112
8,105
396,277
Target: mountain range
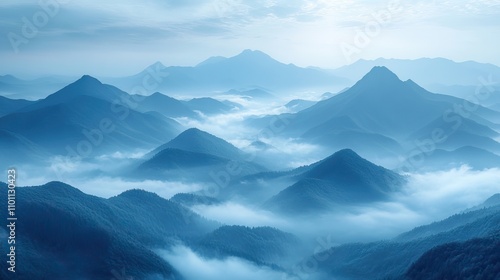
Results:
x,y
399,257
82,119
381,116
250,68
60,229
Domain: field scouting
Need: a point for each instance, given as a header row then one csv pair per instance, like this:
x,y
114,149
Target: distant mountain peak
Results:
x,y
211,60
158,64
381,73
347,165
87,79
199,141
248,53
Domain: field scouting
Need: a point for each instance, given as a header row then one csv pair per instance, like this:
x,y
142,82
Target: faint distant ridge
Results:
x,y
250,68
425,71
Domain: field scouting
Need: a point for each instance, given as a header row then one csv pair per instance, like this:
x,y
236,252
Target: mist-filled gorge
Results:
x,y
236,140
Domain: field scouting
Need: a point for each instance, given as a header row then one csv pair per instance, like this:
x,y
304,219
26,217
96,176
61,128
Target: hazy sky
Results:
x,y
74,37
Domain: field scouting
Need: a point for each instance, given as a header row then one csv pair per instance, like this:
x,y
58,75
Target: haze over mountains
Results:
x,y
245,165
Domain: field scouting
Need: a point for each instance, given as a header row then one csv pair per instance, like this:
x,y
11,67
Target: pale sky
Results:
x,y
75,37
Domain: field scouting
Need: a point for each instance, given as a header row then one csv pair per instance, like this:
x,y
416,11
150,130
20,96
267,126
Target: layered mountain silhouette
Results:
x,y
393,258
60,230
166,105
342,178
196,154
426,71
196,140
473,157
8,106
250,68
88,118
381,116
16,88
381,103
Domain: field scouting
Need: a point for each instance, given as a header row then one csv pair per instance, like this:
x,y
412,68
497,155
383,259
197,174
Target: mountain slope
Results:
x,y
88,125
262,245
85,86
473,259
166,105
196,140
62,230
380,103
444,160
8,106
344,177
391,259
426,71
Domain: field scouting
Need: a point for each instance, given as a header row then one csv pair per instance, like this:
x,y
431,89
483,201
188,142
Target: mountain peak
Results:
x,y
348,167
381,79
380,73
88,80
254,54
199,141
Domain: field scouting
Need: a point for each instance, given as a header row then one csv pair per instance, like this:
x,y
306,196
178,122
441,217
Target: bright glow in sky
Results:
x,y
115,38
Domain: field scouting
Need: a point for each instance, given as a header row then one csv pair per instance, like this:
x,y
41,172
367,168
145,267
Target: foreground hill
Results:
x,y
473,259
63,231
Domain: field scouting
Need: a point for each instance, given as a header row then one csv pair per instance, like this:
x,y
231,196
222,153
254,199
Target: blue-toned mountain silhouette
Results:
x,y
8,105
474,259
62,231
250,68
342,178
86,112
380,114
262,245
13,87
196,155
166,105
473,157
392,258
426,71
199,141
